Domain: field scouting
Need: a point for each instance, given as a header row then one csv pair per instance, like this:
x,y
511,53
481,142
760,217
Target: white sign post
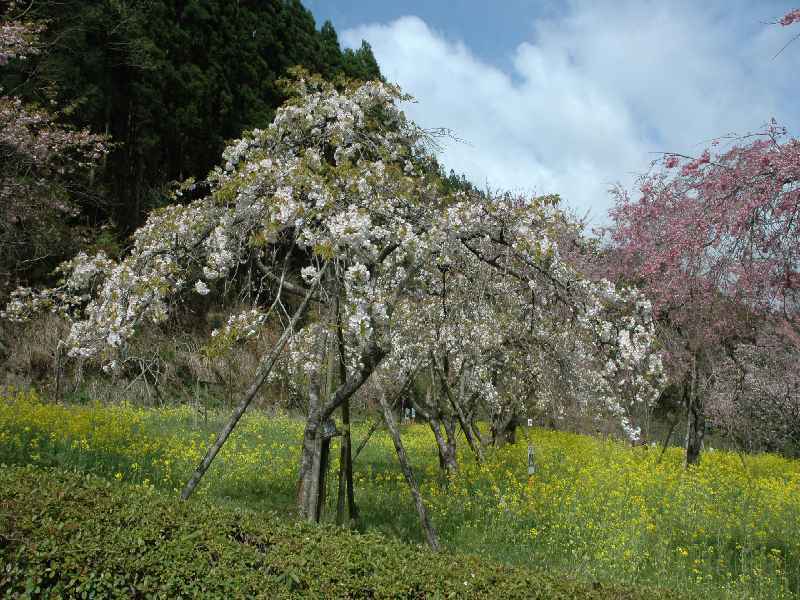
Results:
x,y
531,461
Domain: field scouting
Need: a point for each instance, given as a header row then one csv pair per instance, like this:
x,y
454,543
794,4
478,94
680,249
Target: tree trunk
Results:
x,y
430,532
346,455
504,430
695,432
58,368
696,420
466,427
446,447
430,411
261,376
318,413
345,468
478,435
324,467
316,449
672,426
509,434
308,490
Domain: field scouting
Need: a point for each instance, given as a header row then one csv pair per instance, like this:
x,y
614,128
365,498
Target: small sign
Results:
x,y
530,422
329,429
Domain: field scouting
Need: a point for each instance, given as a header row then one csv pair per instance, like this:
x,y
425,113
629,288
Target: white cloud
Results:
x,y
595,92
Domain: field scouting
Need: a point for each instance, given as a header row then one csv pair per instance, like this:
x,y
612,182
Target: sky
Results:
x,y
575,96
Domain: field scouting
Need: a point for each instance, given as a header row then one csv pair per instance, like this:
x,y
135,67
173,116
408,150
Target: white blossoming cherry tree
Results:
x,y
333,202
339,209
503,326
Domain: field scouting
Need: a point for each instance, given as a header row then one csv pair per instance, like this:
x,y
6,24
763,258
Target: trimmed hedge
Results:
x,y
67,534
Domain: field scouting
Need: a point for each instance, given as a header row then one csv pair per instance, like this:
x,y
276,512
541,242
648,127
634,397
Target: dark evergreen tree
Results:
x,y
171,80
330,51
361,63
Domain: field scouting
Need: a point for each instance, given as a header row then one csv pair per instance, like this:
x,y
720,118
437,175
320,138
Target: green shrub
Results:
x,y
67,534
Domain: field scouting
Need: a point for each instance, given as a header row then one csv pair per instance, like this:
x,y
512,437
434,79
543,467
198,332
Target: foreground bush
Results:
x,y
68,534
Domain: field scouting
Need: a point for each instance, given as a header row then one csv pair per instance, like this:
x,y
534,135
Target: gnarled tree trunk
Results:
x,y
504,429
311,477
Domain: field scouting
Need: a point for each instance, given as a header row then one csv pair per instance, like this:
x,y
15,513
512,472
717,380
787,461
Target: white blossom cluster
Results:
x,y
520,328
240,326
79,276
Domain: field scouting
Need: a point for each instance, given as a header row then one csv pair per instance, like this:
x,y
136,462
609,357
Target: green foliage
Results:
x,y
106,241
361,63
71,535
453,182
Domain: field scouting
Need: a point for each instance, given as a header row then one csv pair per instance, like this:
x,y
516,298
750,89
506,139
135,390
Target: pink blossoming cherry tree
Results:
x,y
714,241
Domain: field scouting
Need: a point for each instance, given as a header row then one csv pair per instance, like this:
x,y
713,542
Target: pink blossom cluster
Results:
x,y
720,231
791,17
18,40
39,167
716,246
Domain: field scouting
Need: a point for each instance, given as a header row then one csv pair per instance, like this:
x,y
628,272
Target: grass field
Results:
x,y
596,510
